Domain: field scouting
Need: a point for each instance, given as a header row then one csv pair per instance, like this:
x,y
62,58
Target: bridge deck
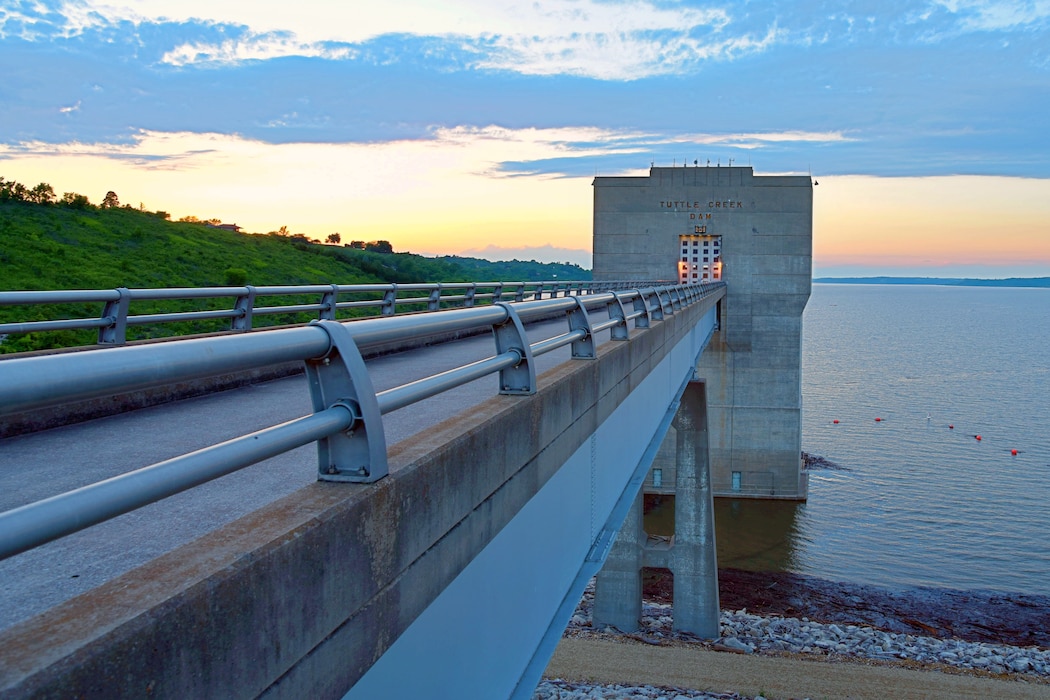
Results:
x,y
36,466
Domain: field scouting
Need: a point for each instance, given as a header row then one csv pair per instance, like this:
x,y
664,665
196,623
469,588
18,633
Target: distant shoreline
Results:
x,y
941,281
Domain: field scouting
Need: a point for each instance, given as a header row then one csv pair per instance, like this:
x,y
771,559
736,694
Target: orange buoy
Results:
x,y
978,437
836,421
878,420
951,427
1013,452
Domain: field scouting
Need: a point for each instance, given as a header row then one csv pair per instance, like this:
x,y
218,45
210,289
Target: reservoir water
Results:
x,y
914,501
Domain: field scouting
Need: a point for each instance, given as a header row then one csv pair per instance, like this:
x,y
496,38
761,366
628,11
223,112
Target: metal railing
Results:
x,y
333,301
346,422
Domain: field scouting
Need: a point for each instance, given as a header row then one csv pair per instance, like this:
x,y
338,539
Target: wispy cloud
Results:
x,y
605,40
625,55
997,15
253,48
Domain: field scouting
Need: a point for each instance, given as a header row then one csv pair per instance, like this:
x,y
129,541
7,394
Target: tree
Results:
x,y
75,201
379,247
110,201
359,245
333,238
191,219
283,231
12,190
41,194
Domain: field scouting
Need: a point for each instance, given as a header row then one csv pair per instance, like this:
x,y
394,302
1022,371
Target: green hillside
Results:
x,y
74,245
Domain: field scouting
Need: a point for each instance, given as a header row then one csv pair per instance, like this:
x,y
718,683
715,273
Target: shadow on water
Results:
x,y
754,535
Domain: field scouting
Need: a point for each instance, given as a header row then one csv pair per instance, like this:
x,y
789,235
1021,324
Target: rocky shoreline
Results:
x,y
976,616
969,632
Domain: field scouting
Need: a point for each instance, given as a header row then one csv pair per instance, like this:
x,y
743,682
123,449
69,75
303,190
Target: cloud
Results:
x,y
325,21
624,40
628,55
253,47
997,15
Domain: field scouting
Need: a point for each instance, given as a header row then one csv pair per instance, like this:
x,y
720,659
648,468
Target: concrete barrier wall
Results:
x,y
300,598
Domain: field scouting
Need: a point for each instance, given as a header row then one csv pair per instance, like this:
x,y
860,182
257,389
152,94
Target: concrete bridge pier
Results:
x,y
618,586
691,554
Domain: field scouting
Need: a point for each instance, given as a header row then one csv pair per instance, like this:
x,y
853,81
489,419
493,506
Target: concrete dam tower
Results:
x,y
699,224
696,225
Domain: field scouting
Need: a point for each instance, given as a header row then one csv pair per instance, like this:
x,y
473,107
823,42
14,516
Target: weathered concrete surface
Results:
x,y
299,598
618,586
694,558
753,365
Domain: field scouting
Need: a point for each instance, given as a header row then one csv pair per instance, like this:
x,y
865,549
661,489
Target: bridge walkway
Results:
x,y
39,465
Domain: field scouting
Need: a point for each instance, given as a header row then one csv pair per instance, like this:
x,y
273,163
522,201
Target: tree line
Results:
x,y
43,193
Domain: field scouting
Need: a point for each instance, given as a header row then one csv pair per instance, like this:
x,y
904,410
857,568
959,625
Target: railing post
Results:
x,y
340,377
641,306
328,301
657,306
520,294
434,301
675,294
117,312
519,380
497,293
243,306
389,307
469,294
616,310
582,349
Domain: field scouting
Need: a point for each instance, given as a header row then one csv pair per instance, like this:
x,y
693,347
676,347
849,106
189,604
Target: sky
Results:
x,y
477,126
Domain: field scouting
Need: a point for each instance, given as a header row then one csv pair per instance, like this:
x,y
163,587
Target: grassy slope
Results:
x,y
44,247
56,247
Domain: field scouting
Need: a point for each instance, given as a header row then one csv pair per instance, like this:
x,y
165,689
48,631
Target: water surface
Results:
x,y
916,502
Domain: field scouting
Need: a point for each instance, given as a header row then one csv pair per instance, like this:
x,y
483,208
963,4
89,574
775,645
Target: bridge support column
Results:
x,y
694,557
691,554
618,586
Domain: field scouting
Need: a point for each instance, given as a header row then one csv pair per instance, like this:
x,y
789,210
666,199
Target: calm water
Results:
x,y
916,503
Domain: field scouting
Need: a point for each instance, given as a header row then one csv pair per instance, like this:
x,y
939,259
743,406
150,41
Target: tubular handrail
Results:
x,y
346,422
381,299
